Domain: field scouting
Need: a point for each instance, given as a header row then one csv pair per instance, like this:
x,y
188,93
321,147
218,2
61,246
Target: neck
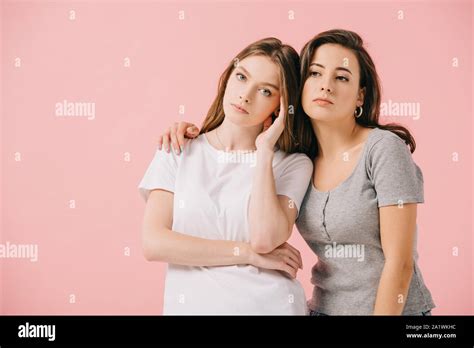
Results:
x,y
335,138
235,137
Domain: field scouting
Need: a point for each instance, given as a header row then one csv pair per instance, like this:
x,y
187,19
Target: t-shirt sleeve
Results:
x,y
160,174
394,174
295,178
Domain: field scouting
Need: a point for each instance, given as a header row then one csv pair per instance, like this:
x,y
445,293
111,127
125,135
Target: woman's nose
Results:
x,y
244,98
326,84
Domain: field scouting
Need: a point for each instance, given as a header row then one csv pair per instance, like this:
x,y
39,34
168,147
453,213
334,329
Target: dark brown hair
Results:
x,y
288,62
368,79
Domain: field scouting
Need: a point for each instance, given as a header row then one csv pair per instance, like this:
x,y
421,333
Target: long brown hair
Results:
x,y
368,79
288,62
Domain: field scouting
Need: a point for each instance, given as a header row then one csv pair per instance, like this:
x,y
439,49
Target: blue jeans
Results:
x,y
319,314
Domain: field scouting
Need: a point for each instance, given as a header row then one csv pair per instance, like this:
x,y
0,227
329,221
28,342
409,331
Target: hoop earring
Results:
x,y
358,114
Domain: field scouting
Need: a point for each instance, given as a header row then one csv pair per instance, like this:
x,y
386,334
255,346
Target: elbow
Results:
x,y
148,253
261,246
151,249
407,275
402,267
266,241
153,254
408,268
259,239
149,256
401,263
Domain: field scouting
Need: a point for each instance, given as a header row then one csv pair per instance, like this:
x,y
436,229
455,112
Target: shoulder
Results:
x,y
389,154
292,161
391,169
289,158
384,143
385,138
192,147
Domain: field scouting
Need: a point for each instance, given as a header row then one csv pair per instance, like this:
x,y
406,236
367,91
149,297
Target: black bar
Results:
x,y
156,330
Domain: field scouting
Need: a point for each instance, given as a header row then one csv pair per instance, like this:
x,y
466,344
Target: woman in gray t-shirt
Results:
x,y
359,212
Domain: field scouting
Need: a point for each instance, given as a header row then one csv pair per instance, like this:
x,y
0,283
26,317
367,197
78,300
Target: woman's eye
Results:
x,y
314,73
240,77
266,92
342,78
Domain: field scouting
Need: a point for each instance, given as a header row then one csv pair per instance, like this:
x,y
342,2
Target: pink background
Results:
x,y
177,62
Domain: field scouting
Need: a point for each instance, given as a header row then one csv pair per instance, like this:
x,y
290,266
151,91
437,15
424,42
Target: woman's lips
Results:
x,y
239,109
322,102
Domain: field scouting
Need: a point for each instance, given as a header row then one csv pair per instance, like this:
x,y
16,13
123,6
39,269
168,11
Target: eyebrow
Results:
x,y
265,83
338,68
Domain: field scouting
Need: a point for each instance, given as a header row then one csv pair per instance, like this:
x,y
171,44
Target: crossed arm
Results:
x,y
160,243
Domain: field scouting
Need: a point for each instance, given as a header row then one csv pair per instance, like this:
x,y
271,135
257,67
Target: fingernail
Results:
x,y
176,151
181,147
167,149
159,147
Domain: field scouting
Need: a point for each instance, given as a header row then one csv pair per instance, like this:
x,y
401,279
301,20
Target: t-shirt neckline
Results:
x,y
360,160
208,144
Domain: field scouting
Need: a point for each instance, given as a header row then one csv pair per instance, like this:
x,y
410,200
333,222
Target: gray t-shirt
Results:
x,y
342,227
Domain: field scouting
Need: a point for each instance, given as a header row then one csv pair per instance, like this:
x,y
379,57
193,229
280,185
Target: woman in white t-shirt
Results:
x,y
220,211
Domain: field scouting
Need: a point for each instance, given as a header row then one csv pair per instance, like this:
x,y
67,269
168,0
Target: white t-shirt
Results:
x,y
211,199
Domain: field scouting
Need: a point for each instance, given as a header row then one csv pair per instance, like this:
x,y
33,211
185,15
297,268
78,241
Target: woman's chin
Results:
x,y
321,117
241,120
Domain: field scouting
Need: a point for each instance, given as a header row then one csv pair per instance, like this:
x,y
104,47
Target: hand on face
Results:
x,y
267,140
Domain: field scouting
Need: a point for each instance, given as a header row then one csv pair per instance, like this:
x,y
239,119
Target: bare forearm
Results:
x,y
177,248
393,289
268,222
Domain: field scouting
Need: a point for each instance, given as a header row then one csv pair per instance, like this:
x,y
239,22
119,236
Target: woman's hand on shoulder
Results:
x,y
176,135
